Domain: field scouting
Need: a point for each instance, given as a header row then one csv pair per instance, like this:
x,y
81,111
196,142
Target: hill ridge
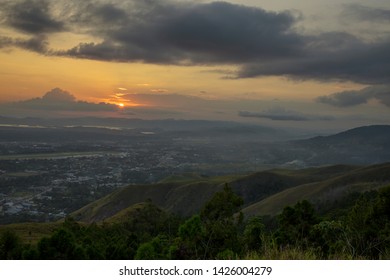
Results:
x,y
188,198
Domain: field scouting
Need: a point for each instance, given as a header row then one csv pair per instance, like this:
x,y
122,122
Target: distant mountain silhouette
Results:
x,y
362,145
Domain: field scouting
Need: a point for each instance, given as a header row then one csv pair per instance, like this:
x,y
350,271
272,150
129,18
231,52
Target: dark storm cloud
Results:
x,y
357,97
190,34
260,43
36,43
223,32
328,58
60,100
282,114
361,12
109,13
32,17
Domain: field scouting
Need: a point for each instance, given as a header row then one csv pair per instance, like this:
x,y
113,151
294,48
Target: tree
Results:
x,y
189,244
60,246
222,206
10,246
156,249
220,220
368,224
253,234
330,238
295,224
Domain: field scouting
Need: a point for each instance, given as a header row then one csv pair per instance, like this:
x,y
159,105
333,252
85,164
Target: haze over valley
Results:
x,y
194,129
50,168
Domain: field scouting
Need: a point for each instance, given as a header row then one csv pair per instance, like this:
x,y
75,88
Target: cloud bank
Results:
x,y
60,100
364,13
350,98
281,114
260,43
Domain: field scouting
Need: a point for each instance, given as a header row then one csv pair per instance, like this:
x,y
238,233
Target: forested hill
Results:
x,y
263,193
362,145
334,212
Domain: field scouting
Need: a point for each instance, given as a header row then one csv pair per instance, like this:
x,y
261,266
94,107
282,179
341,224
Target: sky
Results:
x,y
296,63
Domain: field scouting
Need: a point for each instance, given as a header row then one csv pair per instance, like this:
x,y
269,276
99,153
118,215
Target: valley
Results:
x,y
50,170
149,184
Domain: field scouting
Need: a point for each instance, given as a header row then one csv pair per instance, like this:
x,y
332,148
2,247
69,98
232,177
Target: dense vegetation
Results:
x,y
359,229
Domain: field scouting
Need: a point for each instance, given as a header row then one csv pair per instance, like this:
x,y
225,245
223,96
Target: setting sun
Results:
x,y
121,105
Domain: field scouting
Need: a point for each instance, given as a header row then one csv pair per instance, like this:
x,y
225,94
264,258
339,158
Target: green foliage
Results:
x,y
219,232
60,246
222,206
221,223
368,224
295,224
191,236
146,252
156,249
329,238
150,221
10,246
30,253
226,255
253,234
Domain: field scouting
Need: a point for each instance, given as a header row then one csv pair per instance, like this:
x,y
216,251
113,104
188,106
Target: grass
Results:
x,y
31,233
187,178
266,193
288,253
123,215
334,188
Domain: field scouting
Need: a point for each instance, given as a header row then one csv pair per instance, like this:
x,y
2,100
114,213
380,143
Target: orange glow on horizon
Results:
x,y
121,104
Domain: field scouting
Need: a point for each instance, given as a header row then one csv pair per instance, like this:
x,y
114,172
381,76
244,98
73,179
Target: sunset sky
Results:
x,y
303,63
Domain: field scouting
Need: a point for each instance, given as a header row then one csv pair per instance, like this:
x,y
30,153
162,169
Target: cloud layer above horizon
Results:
x,y
257,42
350,98
60,100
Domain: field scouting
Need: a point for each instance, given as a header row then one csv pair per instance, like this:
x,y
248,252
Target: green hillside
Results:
x,y
326,191
185,195
203,220
31,232
121,199
263,193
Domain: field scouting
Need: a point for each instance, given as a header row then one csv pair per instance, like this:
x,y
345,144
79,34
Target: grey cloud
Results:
x,y
273,117
38,43
361,12
348,60
282,114
261,43
223,32
357,97
32,17
344,99
58,95
109,13
258,42
6,42
191,34
60,100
